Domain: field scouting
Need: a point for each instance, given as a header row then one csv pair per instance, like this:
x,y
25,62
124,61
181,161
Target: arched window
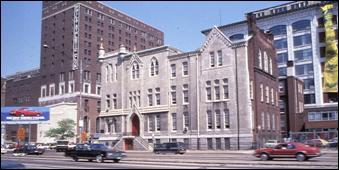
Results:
x,y
278,30
135,70
236,37
154,67
111,72
301,25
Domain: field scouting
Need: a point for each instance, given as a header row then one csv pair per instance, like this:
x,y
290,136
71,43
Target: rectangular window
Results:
x,y
267,94
150,97
218,143
282,71
261,92
217,92
209,119
51,90
173,94
219,58
158,122
225,88
71,75
174,121
302,40
185,93
212,60
86,107
151,123
43,91
87,88
86,75
185,68
186,120
61,88
282,58
115,101
226,118
173,70
98,78
217,119
271,65
98,90
62,77
208,94
280,44
272,96
303,55
209,143
108,102
305,69
71,87
157,98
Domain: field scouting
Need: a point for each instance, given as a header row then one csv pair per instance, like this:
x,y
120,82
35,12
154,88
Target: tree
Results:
x,y
64,131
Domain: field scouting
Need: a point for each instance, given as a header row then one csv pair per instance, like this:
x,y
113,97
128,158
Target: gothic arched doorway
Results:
x,y
135,125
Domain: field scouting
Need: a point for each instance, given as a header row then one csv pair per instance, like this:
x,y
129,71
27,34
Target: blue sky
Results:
x,y
180,21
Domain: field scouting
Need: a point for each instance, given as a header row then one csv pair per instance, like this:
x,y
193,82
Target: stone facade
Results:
x,y
202,98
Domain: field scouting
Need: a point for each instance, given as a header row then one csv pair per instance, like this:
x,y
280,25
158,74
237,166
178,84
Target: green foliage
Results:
x,y
64,130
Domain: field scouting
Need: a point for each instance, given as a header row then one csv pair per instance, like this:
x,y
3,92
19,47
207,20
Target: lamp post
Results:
x,y
259,137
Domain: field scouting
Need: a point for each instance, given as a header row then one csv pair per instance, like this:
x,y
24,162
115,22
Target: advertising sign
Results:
x,y
24,114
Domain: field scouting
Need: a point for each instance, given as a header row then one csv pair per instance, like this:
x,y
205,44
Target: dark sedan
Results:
x,y
29,149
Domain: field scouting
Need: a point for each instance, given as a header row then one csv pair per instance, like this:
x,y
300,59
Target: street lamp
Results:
x,y
258,136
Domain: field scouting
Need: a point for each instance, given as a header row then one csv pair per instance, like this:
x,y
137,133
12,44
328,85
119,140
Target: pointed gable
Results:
x,y
215,34
135,58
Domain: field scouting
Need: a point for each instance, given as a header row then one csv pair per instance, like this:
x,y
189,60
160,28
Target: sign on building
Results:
x,y
24,115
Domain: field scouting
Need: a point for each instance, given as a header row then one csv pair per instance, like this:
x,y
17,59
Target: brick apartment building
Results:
x,y
70,38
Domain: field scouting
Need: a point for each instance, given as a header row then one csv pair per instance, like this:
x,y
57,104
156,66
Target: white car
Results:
x,y
271,143
3,150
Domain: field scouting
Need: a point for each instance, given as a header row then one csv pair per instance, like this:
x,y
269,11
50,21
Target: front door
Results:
x,y
135,125
128,144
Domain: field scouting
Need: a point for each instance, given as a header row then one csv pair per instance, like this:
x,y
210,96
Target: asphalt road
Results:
x,y
192,159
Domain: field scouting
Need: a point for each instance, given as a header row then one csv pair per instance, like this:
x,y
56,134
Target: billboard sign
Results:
x,y
24,114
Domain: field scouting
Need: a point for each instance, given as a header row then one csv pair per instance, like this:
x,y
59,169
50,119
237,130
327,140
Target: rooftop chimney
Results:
x,y
251,23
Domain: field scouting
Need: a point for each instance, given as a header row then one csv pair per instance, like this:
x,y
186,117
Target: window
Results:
x,y
98,78
219,58
282,58
71,75
303,55
301,25
309,98
43,91
267,94
61,88
154,67
305,69
107,74
280,44
226,118
262,120
209,143
87,88
302,40
86,75
185,68
86,107
217,119
151,123
217,92
225,88
157,96
70,87
173,94
150,96
260,59
265,61
282,71
251,90
209,119
111,72
261,92
51,90
272,96
185,93
236,37
278,30
186,120
174,121
208,91
309,84
62,77
115,101
108,102
212,60
270,66
157,117
173,70
135,70
98,91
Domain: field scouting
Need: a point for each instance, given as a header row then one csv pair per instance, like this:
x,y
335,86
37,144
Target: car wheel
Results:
x,y
116,160
90,160
99,159
75,159
301,157
264,157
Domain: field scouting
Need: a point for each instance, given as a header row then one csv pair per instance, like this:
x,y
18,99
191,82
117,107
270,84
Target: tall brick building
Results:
x,y
70,38
222,96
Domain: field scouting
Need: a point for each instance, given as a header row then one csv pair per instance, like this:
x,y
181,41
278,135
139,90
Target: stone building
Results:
x,y
222,96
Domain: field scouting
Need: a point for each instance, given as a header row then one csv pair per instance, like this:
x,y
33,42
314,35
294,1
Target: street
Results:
x,y
192,159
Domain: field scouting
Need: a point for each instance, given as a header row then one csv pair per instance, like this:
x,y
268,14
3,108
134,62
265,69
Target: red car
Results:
x,y
25,112
296,150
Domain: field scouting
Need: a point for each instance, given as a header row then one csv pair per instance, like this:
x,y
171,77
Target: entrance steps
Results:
x,y
138,143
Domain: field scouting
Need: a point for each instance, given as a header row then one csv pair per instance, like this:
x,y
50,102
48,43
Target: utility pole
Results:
x,y
81,120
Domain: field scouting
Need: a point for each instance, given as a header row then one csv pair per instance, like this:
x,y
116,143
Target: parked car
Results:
x,y
3,150
333,142
98,152
173,147
296,150
271,143
24,112
29,149
317,143
43,146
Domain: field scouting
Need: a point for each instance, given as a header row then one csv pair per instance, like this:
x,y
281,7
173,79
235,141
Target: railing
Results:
x,y
144,143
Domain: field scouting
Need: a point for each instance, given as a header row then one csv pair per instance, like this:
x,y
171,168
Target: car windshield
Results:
x,y
62,142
